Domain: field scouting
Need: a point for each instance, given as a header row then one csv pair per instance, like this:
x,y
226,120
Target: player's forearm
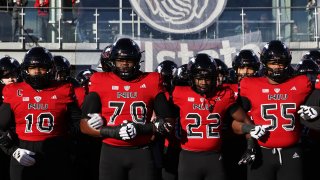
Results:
x,y
86,129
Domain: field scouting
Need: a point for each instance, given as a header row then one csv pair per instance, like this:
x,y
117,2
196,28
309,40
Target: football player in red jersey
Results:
x,y
9,73
245,64
43,111
88,148
83,78
167,148
126,99
273,100
202,110
311,137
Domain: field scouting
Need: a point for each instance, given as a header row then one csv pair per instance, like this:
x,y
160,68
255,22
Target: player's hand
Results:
x,y
23,157
162,126
248,157
95,121
5,138
127,131
258,131
308,112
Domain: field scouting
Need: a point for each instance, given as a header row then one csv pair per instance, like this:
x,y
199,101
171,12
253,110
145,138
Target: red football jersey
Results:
x,y
234,87
39,115
122,100
277,105
201,129
80,94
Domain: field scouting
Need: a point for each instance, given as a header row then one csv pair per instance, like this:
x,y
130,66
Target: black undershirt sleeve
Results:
x,y
244,102
7,117
7,123
233,108
74,113
162,107
91,104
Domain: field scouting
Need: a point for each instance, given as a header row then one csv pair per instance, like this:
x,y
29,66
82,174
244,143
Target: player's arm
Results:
x,y
91,122
310,111
8,138
240,118
166,110
242,123
74,113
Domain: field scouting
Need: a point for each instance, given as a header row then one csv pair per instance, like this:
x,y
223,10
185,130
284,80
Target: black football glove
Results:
x,y
250,154
162,127
5,139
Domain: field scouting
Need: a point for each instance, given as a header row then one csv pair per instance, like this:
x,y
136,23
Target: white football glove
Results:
x,y
127,131
308,112
95,120
23,157
258,131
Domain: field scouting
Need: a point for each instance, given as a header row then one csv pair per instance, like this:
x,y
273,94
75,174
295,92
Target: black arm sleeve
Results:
x,y
162,107
7,124
74,113
91,104
7,117
233,108
312,100
244,102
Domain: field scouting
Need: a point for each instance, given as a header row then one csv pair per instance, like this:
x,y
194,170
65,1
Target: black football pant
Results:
x,y
200,166
170,164
272,164
87,158
233,148
311,157
119,163
52,161
4,166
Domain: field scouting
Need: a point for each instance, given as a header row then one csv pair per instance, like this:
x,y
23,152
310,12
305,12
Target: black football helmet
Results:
x,y
167,70
181,77
231,76
313,55
246,58
9,67
202,66
38,57
277,52
84,76
63,68
105,59
126,49
309,68
222,70
306,66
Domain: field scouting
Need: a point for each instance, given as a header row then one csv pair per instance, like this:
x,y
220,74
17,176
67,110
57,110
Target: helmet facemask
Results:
x,y
124,70
203,82
280,74
39,81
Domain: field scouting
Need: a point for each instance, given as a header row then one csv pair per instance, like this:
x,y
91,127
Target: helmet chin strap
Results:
x,y
279,76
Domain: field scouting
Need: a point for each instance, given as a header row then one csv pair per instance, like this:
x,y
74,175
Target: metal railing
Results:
x,y
103,25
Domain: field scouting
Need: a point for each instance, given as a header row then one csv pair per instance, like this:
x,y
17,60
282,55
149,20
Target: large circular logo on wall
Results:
x,y
179,16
